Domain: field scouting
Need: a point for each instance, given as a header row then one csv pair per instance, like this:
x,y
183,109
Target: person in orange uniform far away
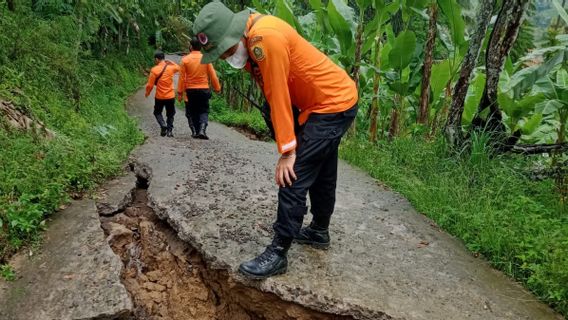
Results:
x,y
194,81
292,73
162,76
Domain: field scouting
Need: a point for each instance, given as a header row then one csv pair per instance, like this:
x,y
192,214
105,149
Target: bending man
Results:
x,y
290,71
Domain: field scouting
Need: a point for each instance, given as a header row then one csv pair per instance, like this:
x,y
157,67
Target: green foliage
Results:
x,y
342,20
284,11
474,95
50,73
455,20
402,50
561,11
7,273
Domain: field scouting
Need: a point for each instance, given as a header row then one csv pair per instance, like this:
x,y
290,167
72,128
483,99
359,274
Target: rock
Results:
x,y
154,287
18,120
117,196
154,276
118,235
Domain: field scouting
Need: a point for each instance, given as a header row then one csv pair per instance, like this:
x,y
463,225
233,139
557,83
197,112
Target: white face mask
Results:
x,y
239,59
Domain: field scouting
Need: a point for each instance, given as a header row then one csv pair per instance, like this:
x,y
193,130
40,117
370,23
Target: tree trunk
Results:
x,y
393,129
501,41
11,5
358,45
375,101
427,71
395,117
453,125
357,64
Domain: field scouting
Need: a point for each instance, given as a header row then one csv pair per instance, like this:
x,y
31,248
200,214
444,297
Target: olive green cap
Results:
x,y
218,28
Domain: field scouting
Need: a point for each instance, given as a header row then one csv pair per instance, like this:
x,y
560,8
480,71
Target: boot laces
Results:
x,y
265,257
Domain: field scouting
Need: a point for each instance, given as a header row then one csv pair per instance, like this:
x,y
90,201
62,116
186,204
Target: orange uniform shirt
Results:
x,y
294,72
194,75
165,85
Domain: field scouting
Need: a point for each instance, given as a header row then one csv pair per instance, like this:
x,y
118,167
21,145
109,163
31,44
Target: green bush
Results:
x,y
49,77
249,121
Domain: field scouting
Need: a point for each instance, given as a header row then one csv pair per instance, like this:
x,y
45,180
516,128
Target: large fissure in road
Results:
x,y
169,279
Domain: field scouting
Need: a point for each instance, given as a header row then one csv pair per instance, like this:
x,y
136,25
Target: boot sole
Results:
x,y
315,245
257,277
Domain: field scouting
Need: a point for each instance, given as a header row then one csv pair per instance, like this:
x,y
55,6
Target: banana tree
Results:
x,y
374,35
343,23
424,113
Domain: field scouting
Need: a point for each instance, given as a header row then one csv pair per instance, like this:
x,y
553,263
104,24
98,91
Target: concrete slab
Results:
x,y
116,195
74,276
386,260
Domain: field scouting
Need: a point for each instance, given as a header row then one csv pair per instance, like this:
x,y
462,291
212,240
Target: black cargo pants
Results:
x,y
316,170
169,104
197,107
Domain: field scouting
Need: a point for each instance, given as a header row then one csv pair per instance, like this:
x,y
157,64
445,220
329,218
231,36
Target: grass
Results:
x,y
250,121
7,273
489,202
81,99
38,175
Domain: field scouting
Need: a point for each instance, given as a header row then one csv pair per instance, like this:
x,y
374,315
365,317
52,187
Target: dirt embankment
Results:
x,y
168,279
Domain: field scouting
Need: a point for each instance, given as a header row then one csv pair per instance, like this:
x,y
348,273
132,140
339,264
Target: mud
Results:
x,y
169,279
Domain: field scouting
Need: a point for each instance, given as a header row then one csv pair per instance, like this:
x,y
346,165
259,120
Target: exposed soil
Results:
x,y
168,279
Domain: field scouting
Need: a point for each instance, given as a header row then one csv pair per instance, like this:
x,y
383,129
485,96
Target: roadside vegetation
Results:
x,y
66,69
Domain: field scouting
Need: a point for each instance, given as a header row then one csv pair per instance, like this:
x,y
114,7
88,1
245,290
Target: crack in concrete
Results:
x,y
168,278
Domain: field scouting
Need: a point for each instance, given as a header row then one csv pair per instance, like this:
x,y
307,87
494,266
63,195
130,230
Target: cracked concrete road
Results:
x,y
386,260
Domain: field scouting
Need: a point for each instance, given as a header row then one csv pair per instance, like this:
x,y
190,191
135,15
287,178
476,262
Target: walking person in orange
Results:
x,y
194,81
162,77
292,74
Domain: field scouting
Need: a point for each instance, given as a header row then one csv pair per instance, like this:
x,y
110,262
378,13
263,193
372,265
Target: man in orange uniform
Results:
x,y
162,76
292,74
194,81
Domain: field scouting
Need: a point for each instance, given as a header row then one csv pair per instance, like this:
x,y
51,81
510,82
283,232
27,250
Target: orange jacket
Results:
x,y
194,75
294,72
165,85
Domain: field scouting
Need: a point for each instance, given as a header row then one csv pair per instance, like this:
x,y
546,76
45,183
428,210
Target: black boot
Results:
x,y
202,134
314,236
163,131
271,262
170,133
193,133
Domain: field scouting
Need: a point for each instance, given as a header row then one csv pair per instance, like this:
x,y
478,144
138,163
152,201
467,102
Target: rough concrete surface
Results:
x,y
74,276
116,195
386,261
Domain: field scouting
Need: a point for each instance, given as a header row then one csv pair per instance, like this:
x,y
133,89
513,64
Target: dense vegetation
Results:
x,y
466,122
70,65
